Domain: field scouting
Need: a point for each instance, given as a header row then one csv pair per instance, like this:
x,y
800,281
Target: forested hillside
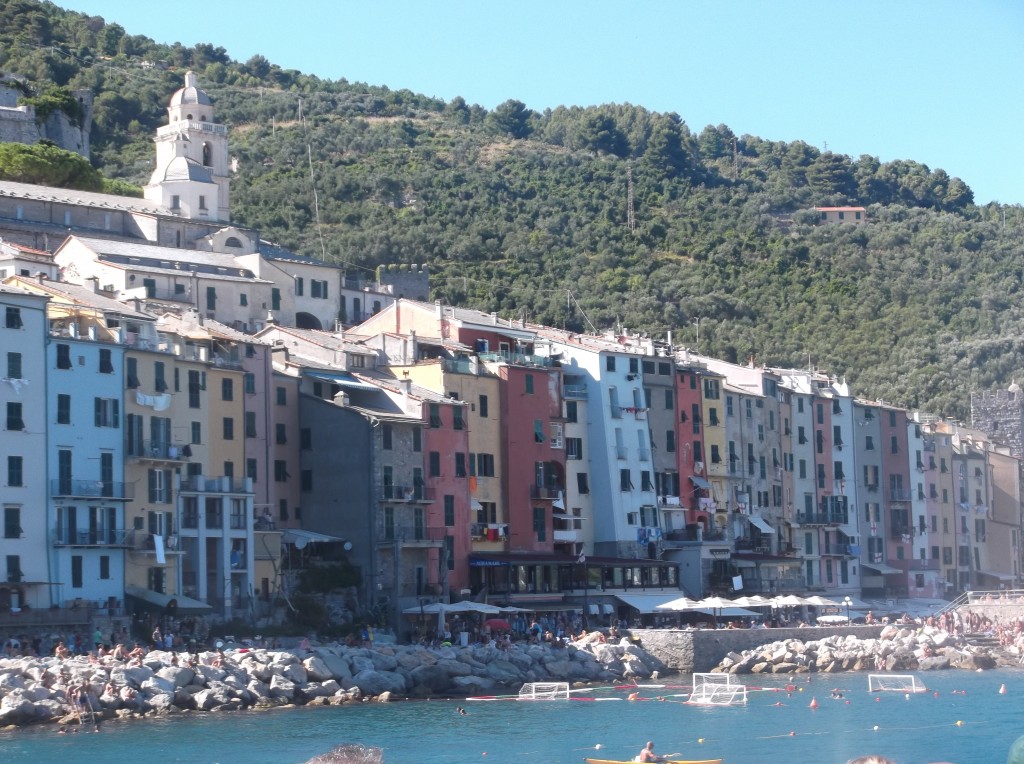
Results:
x,y
514,209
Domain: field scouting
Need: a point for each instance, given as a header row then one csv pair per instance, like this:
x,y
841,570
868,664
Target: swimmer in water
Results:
x,y
461,710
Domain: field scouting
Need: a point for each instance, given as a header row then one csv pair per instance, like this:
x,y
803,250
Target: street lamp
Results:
x,y
847,601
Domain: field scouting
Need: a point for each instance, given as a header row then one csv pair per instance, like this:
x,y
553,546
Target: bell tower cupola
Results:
x,y
191,176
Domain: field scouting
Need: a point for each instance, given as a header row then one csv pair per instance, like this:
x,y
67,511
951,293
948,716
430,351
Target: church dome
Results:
x,y
182,168
191,93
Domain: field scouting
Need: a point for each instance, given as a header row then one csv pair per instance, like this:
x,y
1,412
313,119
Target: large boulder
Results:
x,y
337,665
434,679
473,685
316,669
280,687
294,672
504,672
375,682
179,676
157,684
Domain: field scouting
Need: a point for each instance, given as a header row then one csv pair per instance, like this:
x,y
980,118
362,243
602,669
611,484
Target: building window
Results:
x,y
460,464
252,469
243,299
449,510
306,439
307,480
571,411
670,441
609,363
417,440
538,431
434,464
249,382
318,289
485,465
275,299
574,448
386,437
14,418
63,356
107,412
202,199
458,422
540,523
250,424
14,365
280,433
12,318
12,522
14,471
582,483
435,415
280,471
529,384
282,396
63,408
175,202
106,363
229,428
483,406
625,480
131,373
211,298
227,389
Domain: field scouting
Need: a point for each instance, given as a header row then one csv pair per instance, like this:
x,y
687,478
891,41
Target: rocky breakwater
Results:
x,y
898,648
37,690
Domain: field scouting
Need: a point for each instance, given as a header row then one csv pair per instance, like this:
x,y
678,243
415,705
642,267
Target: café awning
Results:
x,y
881,567
157,600
700,482
760,524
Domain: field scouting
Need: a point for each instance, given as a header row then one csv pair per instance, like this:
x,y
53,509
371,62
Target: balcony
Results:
x,y
141,542
104,537
637,411
841,550
411,534
157,450
565,537
822,518
518,359
458,366
418,493
91,489
223,484
897,532
545,492
900,495
574,392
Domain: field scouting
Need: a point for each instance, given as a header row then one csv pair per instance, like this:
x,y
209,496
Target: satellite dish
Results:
x,y
347,546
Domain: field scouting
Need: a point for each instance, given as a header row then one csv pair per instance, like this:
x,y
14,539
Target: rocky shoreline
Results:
x,y
43,690
898,648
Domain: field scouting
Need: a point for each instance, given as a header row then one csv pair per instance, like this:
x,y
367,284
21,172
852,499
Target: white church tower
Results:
x,y
191,176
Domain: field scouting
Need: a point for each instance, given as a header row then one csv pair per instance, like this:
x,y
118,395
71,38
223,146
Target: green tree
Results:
x,y
511,118
46,165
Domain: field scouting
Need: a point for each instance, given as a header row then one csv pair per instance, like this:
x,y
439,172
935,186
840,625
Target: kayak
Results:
x,y
667,761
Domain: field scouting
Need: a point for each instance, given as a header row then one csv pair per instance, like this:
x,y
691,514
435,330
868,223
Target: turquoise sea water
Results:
x,y
915,730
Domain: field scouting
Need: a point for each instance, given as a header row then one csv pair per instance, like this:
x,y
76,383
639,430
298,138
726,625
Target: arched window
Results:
x,y
232,241
207,155
188,116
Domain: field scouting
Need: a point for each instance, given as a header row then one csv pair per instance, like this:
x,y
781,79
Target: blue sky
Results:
x,y
936,81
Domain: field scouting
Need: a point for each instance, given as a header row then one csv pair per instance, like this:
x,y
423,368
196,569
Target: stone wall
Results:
x,y
703,649
1000,414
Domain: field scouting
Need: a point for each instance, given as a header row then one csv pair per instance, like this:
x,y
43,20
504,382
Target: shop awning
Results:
x,y
300,538
881,567
996,575
760,524
700,482
178,602
646,603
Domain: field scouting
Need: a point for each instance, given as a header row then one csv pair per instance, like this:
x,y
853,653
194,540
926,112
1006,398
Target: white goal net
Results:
x,y
717,690
544,691
894,683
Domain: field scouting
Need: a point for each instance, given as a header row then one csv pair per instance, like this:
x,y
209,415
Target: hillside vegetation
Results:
x,y
527,213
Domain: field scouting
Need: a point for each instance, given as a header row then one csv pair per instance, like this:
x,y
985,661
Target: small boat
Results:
x,y
667,761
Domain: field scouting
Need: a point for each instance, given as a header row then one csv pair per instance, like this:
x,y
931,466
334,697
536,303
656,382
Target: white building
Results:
x,y
24,563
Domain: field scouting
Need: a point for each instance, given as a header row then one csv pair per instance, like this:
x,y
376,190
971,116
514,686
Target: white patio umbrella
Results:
x,y
678,605
818,601
755,600
788,600
466,606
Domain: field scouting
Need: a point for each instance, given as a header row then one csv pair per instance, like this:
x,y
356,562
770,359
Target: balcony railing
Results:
x,y
89,489
109,537
899,531
156,449
519,359
565,536
574,392
900,494
822,518
222,484
411,533
391,492
545,491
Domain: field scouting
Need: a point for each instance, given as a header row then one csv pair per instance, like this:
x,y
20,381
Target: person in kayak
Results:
x,y
647,753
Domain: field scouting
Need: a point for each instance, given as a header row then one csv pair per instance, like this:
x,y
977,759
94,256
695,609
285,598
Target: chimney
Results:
x,y
438,309
406,385
494,319
41,277
95,283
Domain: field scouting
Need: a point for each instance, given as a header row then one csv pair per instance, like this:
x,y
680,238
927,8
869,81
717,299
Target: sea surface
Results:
x,y
968,721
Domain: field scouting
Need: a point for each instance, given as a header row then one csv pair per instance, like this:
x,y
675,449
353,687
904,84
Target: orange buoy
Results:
x,y
814,703
1002,689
